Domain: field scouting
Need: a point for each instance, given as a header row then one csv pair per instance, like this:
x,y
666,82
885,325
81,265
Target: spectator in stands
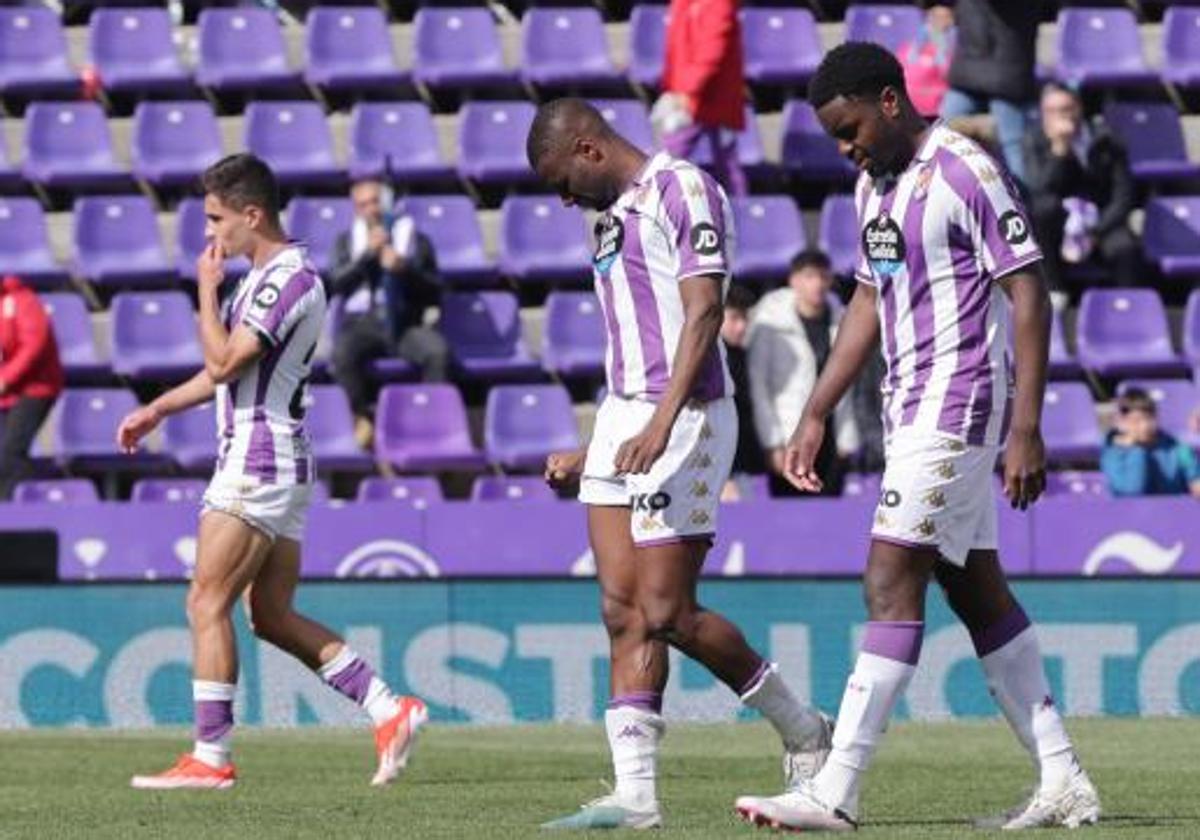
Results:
x,y
31,378
1081,192
992,69
748,459
1139,459
791,334
704,98
926,61
386,274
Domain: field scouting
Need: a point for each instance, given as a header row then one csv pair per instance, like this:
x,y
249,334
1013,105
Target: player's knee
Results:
x,y
205,606
893,603
268,625
619,614
669,622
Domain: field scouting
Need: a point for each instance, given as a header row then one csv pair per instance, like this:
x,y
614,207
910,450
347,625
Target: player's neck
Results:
x,y
267,248
629,161
917,129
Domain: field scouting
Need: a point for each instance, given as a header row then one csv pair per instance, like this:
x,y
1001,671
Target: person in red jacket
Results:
x,y
704,95
31,378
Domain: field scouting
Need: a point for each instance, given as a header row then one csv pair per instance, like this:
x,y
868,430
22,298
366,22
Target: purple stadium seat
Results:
x,y
25,245
458,48
561,47
782,46
770,232
190,241
33,55
525,423
511,488
542,241
154,336
483,330
630,119
452,225
491,142
135,53
1101,47
1171,235
1181,46
396,140
647,44
1069,424
191,437
331,427
85,429
294,138
1124,332
56,491
862,485
174,142
420,490
317,222
116,241
750,152
1083,484
73,333
67,146
349,49
808,151
890,24
574,338
157,490
838,234
1176,400
243,50
1191,328
1153,137
424,427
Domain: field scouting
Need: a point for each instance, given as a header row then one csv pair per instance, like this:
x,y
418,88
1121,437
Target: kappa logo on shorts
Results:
x,y
952,445
700,490
935,499
649,523
699,517
706,432
945,470
881,518
890,498
652,502
925,528
702,461
705,239
1013,227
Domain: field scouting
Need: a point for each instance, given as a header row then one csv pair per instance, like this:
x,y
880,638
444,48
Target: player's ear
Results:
x,y
889,102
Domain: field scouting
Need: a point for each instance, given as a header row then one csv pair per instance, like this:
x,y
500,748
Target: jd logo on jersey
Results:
x,y
651,501
883,243
705,239
1013,227
266,296
610,236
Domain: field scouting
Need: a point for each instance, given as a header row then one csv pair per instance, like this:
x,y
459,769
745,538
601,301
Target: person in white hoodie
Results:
x,y
791,332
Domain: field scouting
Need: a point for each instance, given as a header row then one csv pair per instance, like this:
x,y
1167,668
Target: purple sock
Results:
x,y
761,671
650,701
353,680
996,636
897,640
214,720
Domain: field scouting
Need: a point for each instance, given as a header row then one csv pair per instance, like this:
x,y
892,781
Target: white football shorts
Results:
x,y
278,510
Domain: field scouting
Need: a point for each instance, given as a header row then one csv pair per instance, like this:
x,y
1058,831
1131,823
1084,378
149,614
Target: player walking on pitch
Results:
x,y
257,353
944,241
662,448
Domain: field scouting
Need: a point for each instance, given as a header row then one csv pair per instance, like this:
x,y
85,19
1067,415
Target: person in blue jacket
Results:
x,y
1140,459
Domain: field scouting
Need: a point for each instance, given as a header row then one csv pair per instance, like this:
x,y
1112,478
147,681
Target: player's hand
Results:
x,y
390,261
564,468
1024,468
800,456
637,455
135,426
210,267
377,238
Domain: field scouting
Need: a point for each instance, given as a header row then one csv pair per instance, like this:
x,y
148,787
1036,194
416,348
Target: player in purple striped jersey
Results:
x,y
945,247
257,354
662,447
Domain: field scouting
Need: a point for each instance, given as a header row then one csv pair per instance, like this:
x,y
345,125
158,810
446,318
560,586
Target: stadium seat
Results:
x,y
491,143
542,241
1171,235
1100,48
1153,137
154,336
33,55
565,48
1191,329
331,428
294,138
317,222
85,429
190,241
25,245
890,24
420,491
1069,425
349,50
1176,400
523,424
782,46
1181,46
1062,363
174,142
190,437
629,118
117,243
511,488
770,232
242,50
574,338
862,485
808,152
1078,483
397,141
838,234
458,48
647,44
73,333
1124,332
424,427
452,225
483,330
55,491
68,146
157,490
134,52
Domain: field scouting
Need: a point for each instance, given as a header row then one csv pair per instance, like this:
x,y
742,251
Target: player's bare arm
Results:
x,y
1025,455
226,354
143,420
703,311
857,338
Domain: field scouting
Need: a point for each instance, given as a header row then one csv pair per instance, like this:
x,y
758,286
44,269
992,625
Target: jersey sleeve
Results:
x,y
696,216
997,221
279,302
862,270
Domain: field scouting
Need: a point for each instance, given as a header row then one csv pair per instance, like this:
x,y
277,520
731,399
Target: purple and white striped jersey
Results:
x,y
933,243
673,222
260,415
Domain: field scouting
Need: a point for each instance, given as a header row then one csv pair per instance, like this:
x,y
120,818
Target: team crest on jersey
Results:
x,y
883,243
266,296
610,236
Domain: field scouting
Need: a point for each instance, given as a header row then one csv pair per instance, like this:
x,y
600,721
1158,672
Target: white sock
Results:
x,y
1017,679
796,723
212,737
349,674
633,736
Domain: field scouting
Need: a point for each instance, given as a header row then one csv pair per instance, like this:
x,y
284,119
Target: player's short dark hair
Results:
x,y
1136,399
242,180
1058,87
739,297
558,120
810,258
855,69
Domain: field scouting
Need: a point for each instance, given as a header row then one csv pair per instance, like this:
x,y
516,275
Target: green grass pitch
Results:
x,y
468,782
